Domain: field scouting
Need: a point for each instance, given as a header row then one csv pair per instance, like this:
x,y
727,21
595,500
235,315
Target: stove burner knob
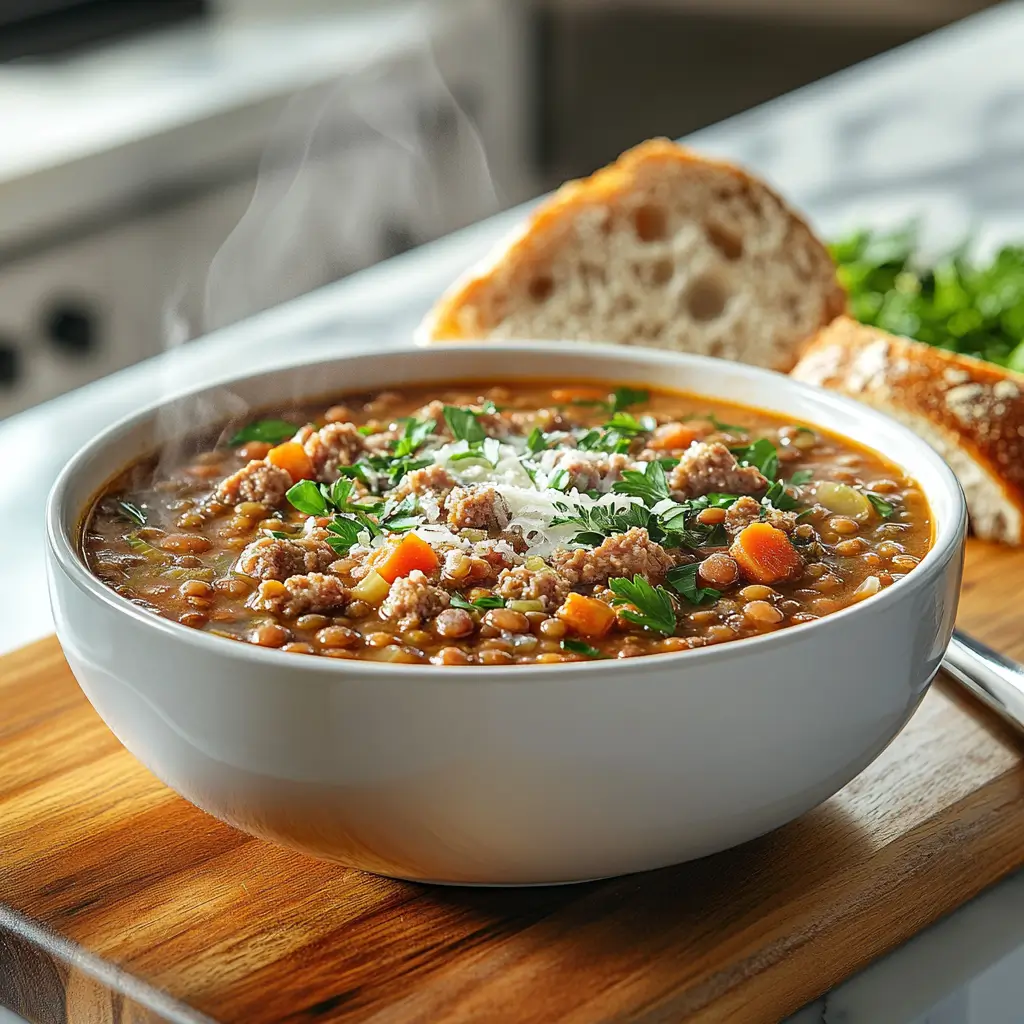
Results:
x,y
71,326
10,363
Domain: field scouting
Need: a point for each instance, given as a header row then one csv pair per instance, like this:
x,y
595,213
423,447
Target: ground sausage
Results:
x,y
705,468
746,510
479,507
277,558
623,554
428,480
257,481
549,587
412,600
587,471
337,444
300,595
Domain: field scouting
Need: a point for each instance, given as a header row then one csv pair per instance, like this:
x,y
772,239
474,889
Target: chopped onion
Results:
x,y
868,588
372,588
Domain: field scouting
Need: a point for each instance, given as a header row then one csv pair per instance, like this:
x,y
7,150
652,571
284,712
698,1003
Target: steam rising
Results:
x,y
337,151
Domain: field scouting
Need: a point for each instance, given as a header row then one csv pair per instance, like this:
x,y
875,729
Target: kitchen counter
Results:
x,y
934,130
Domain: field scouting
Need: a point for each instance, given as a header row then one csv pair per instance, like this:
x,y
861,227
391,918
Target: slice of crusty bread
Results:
x,y
663,248
970,411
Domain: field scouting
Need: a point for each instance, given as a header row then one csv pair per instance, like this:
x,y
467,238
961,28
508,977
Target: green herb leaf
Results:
x,y
801,477
414,434
307,497
649,484
344,532
463,424
339,492
725,428
969,306
400,516
623,398
779,497
762,454
683,578
716,499
537,441
366,431
881,506
480,604
579,647
132,512
616,435
270,431
653,605
559,480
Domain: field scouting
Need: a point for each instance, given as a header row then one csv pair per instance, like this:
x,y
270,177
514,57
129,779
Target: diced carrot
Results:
x,y
410,553
291,456
765,554
580,393
673,436
586,615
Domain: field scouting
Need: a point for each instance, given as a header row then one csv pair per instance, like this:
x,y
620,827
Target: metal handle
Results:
x,y
995,680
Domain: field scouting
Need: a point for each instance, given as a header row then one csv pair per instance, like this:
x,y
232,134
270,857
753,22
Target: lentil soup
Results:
x,y
484,524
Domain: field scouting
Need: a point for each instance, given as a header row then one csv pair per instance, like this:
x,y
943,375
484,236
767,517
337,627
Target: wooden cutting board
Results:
x,y
121,902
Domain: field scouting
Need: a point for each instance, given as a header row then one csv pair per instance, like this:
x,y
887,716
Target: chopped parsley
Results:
x,y
538,441
779,497
879,504
762,455
670,523
801,477
616,434
725,428
309,497
683,578
488,450
648,605
579,647
649,484
619,399
132,512
478,604
414,435
559,480
967,305
344,533
623,398
270,431
399,516
352,516
602,521
464,424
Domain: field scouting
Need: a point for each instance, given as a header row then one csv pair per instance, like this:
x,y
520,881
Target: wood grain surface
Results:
x,y
120,902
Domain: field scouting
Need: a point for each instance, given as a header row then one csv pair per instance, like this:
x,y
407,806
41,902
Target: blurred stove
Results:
x,y
158,187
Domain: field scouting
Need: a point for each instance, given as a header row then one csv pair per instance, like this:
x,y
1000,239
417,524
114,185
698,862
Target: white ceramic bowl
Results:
x,y
514,775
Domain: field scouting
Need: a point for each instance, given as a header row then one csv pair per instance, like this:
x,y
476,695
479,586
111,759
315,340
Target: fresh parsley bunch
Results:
x,y
956,303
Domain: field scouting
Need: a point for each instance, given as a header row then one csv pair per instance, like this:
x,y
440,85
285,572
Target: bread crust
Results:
x,y
967,407
455,316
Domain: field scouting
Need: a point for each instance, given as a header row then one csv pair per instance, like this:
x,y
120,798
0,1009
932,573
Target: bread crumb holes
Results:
x,y
706,298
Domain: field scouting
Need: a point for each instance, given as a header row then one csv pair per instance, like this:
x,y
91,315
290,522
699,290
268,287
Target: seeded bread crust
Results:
x,y
663,248
970,411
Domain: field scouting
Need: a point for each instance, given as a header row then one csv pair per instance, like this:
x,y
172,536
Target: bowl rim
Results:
x,y
949,534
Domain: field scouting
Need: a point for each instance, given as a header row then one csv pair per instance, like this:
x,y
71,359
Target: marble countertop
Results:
x,y
934,130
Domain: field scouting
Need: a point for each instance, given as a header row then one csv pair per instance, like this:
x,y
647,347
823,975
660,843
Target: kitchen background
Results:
x,y
171,166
